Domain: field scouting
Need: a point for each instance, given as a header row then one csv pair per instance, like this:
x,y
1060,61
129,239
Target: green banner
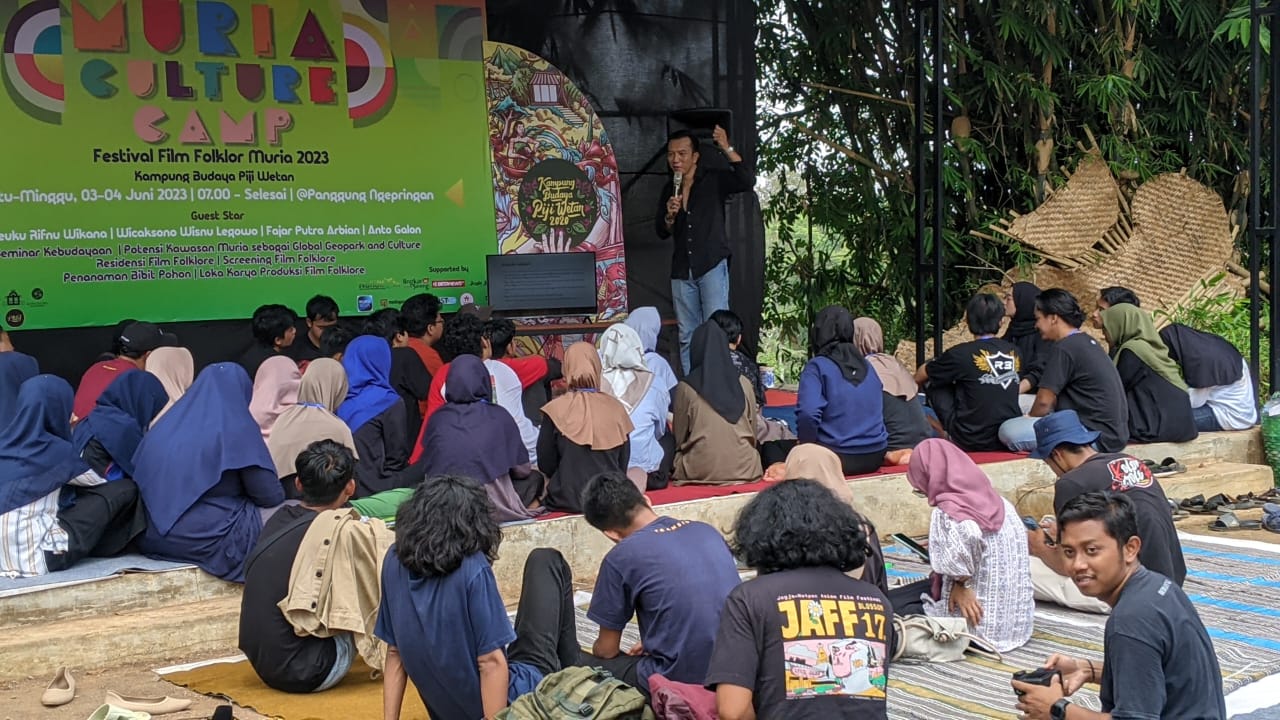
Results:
x,y
168,160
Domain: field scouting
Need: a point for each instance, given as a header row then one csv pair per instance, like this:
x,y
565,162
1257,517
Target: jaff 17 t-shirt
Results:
x,y
810,643
1085,380
985,374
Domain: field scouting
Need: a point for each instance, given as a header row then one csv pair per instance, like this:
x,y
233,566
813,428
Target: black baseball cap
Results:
x,y
142,337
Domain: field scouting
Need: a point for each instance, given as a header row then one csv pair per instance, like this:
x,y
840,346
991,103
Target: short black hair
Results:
x,y
1114,510
271,322
385,323
334,340
610,501
729,322
1116,295
984,314
324,469
446,520
1056,301
463,335
501,332
322,307
419,313
796,524
686,134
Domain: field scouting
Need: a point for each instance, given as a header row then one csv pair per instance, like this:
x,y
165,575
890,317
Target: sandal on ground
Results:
x,y
1228,522
1249,501
1219,503
1168,466
1193,504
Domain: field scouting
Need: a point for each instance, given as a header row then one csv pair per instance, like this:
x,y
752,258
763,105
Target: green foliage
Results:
x,y
1220,313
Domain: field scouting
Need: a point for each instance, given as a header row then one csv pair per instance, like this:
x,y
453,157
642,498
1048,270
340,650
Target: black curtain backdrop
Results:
x,y
637,60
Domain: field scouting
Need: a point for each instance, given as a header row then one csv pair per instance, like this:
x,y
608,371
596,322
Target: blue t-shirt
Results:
x,y
441,625
674,576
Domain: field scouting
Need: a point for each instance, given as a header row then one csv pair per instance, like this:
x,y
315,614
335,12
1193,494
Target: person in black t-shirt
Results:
x,y
274,330
284,660
322,313
1078,375
1158,661
974,386
802,641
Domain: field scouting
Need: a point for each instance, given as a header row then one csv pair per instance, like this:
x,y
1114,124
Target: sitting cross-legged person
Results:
x,y
713,417
904,417
626,377
1217,376
1156,394
110,436
672,575
377,417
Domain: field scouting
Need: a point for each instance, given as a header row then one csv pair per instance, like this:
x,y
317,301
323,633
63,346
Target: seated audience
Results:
x,y
648,324
274,328
731,324
444,620
977,547
15,369
39,533
1156,395
627,378
409,377
773,437
109,437
713,417
671,575
1158,660
471,437
814,462
423,322
1066,447
285,660
6,343
205,476
973,387
798,609
1217,376
536,373
584,432
322,314
376,415
1109,296
1078,376
275,388
1022,333
904,417
310,419
840,404
176,370
334,342
131,347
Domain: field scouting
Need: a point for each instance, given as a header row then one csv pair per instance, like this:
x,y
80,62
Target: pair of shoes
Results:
x,y
147,705
61,690
111,712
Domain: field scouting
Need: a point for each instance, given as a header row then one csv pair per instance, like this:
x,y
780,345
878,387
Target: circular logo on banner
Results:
x,y
556,196
15,318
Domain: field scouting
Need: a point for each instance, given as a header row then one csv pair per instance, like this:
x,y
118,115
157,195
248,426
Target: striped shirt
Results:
x,y
28,532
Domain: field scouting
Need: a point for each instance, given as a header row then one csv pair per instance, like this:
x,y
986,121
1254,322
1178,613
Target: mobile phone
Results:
x,y
911,545
1030,522
1039,676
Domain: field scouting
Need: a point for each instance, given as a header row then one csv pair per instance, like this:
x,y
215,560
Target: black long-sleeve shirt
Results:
x,y
699,232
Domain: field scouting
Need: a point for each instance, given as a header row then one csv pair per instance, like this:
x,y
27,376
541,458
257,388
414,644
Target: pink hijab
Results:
x,y
275,388
955,485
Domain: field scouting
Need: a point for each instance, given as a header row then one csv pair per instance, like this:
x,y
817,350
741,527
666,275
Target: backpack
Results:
x,y
580,693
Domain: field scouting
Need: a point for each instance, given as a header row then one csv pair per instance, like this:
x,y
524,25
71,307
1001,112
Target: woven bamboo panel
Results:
x,y
1072,221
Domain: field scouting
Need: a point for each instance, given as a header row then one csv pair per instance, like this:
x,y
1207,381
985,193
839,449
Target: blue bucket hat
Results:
x,y
1060,427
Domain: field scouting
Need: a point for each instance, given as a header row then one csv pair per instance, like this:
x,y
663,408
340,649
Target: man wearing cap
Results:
x,y
131,346
1066,446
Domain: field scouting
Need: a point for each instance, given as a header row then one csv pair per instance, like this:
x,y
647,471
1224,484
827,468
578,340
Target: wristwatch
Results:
x,y
1059,709
729,150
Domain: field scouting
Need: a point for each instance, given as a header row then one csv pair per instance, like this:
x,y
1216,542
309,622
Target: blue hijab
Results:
x,y
208,432
469,435
36,456
15,369
121,417
368,364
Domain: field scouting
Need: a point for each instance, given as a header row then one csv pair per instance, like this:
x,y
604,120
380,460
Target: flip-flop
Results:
x,y
1193,504
1248,502
1228,522
1219,503
1168,466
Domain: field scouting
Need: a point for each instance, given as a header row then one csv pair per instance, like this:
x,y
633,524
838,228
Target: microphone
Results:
x,y
678,181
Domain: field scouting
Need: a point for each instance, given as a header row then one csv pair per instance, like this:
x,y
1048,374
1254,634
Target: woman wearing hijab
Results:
x,y
109,437
275,387
1218,379
840,403
627,378
15,369
903,414
375,413
205,476
714,413
176,370
309,420
977,549
472,437
648,323
1159,406
814,462
584,432
54,509
1033,350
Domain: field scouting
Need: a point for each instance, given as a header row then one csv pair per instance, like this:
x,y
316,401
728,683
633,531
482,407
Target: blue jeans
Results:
x,y
341,665
1206,421
1019,434
696,299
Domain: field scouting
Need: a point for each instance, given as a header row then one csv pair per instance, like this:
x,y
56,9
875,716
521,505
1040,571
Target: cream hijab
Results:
x,y
323,388
176,370
275,388
625,375
814,462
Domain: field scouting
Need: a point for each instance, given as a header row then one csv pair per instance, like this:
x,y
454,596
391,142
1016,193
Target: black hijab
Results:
x,y
1207,360
1023,322
712,373
832,338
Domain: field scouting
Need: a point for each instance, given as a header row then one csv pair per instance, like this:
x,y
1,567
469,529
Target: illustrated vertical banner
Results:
x,y
181,160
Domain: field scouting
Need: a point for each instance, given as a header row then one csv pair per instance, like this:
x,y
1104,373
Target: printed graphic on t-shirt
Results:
x,y
997,368
834,645
1129,473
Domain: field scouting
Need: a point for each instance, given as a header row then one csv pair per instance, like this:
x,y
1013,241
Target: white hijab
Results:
x,y
625,375
647,323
